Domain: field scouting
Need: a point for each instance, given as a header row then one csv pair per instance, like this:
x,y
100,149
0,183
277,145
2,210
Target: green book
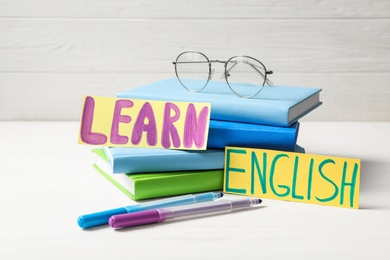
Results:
x,y
160,184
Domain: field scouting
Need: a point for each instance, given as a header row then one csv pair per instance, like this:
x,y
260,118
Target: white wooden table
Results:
x,y
47,181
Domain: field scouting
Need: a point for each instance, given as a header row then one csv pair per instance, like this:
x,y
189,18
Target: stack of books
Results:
x,y
268,121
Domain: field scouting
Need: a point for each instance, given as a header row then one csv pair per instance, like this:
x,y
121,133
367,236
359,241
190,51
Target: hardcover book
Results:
x,y
276,105
221,134
138,160
225,133
153,185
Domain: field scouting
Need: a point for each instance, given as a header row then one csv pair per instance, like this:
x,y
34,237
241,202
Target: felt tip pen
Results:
x,y
101,218
177,213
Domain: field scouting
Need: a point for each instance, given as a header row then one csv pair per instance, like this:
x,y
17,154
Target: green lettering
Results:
x,y
294,183
261,174
336,189
352,184
309,180
271,177
229,169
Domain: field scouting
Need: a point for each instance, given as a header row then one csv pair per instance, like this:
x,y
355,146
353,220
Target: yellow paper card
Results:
x,y
123,122
310,178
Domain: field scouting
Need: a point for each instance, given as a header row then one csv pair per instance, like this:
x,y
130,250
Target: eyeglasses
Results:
x,y
244,75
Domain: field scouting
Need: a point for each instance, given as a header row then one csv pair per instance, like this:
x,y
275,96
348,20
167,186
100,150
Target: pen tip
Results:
x,y
111,222
259,200
80,222
220,195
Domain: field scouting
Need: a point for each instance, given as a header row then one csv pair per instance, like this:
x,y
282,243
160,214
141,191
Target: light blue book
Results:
x,y
139,160
150,160
275,106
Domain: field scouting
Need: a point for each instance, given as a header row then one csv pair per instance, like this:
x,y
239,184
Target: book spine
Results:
x,y
178,184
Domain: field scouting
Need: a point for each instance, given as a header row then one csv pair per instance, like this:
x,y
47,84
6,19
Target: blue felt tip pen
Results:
x,y
101,218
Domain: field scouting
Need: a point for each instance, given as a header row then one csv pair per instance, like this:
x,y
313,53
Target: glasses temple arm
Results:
x,y
269,82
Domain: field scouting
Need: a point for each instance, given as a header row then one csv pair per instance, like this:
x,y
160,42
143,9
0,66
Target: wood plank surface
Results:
x,y
54,52
50,96
184,9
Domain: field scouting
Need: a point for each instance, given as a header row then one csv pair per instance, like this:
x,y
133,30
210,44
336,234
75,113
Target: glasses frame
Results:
x,y
226,72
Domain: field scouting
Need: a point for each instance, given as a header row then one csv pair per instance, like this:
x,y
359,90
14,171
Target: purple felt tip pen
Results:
x,y
181,212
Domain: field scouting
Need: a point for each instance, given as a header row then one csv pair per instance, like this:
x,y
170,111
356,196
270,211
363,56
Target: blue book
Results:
x,y
150,160
276,105
221,134
159,184
146,160
225,133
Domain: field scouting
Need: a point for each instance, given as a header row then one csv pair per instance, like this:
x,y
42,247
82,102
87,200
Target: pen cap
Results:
x,y
237,204
98,218
209,196
135,219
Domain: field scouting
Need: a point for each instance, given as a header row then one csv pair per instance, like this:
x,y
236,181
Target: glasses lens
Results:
x,y
245,76
193,70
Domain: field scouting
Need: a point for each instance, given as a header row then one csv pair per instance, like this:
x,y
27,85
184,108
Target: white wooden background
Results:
x,y
54,52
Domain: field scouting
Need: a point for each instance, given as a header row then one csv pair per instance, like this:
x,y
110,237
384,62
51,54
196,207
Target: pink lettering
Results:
x,y
140,126
86,134
115,137
169,130
195,130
